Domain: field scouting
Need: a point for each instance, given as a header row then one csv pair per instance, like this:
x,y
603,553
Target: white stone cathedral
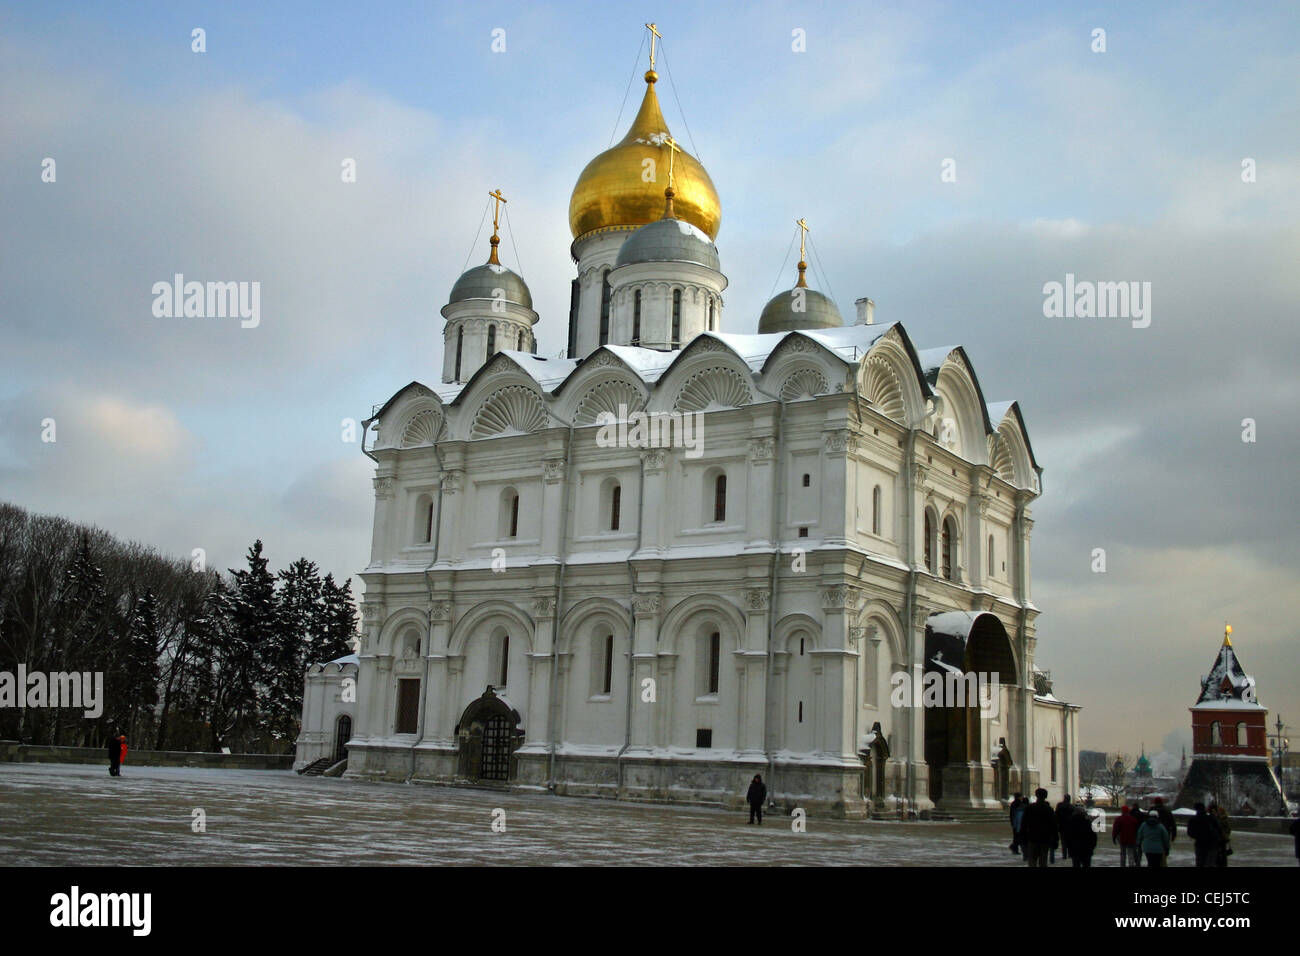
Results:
x,y
549,605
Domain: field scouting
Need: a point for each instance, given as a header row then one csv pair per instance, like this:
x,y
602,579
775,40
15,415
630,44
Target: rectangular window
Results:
x,y
677,318
604,310
803,532
408,706
715,653
514,517
801,712
720,498
636,318
609,664
703,738
1053,750
616,499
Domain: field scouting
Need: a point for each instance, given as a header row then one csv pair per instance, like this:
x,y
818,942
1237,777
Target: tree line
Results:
x,y
191,659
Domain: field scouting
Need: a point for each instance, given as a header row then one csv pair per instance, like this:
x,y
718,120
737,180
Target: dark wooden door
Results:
x,y
498,733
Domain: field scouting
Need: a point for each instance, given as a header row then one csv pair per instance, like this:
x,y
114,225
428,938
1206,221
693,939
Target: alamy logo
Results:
x,y
208,300
83,690
102,909
652,430
1100,300
948,687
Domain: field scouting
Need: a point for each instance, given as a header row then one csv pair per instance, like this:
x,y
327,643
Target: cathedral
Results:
x,y
562,600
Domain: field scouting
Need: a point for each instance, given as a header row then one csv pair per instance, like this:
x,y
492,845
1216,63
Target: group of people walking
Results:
x,y
1038,830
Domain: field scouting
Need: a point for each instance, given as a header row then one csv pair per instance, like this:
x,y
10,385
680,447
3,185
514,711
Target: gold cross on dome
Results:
x,y
803,232
673,150
653,34
496,212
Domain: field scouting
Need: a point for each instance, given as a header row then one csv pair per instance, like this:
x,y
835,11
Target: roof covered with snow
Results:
x,y
1227,686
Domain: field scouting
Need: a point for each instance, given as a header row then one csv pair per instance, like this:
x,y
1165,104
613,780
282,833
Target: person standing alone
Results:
x,y
114,749
756,796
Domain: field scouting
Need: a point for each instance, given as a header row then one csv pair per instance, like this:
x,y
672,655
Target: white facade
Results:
x,y
328,711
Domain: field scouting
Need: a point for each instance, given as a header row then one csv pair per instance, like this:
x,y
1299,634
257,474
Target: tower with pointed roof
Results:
x,y
1230,756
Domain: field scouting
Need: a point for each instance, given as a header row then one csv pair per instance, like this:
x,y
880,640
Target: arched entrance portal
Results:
x,y
342,734
489,734
963,649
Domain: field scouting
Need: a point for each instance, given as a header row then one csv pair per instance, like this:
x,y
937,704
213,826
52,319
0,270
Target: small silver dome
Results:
x,y
669,240
779,314
479,283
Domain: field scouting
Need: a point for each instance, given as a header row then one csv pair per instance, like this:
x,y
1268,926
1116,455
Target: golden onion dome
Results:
x,y
612,191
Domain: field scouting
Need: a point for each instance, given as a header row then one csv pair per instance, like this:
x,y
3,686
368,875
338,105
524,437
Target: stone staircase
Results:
x,y
317,767
977,815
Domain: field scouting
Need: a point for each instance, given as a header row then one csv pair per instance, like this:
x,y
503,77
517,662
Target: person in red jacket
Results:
x,y
1124,832
122,753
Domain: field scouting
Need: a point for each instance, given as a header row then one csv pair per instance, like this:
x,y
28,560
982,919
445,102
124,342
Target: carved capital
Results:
x,y
372,612
452,481
553,470
440,611
841,599
655,459
383,487
762,449
921,615
920,473
543,608
758,599
985,503
647,605
837,442
1027,524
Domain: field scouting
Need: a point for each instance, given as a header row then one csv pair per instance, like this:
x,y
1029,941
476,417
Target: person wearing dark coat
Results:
x,y
1124,832
1079,836
1017,812
1166,819
1295,832
756,796
114,750
1225,833
1039,828
1204,832
1064,810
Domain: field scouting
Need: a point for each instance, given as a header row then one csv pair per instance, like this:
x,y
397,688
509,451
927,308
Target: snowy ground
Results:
x,y
75,814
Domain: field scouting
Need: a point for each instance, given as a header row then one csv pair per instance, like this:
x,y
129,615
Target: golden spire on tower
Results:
x,y
1227,633
497,198
803,265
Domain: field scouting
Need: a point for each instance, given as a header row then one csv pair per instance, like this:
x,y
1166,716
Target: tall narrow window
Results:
x,y
428,522
505,660
514,516
720,498
801,712
1216,736
677,318
1053,750
715,659
615,501
636,318
991,565
604,309
929,542
460,344
520,345
1241,734
609,664
947,549
492,340
875,510
713,316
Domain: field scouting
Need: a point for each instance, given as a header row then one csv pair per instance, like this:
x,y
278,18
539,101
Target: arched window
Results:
x,y
807,480
1241,734
1216,735
949,536
604,308
460,344
677,318
615,502
520,345
499,657
929,542
713,316
636,318
492,340
720,498
875,510
991,565
509,520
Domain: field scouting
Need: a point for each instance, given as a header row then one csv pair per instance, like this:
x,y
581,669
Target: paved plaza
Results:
x,y
75,814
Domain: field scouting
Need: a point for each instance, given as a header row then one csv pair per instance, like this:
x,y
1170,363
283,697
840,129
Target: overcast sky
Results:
x,y
1122,165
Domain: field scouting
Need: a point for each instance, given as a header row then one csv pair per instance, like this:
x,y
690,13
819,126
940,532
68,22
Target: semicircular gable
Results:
x,y
615,395
961,426
890,379
1011,460
712,387
421,428
804,382
509,410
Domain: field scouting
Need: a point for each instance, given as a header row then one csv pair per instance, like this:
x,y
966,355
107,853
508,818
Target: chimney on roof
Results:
x,y
866,311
